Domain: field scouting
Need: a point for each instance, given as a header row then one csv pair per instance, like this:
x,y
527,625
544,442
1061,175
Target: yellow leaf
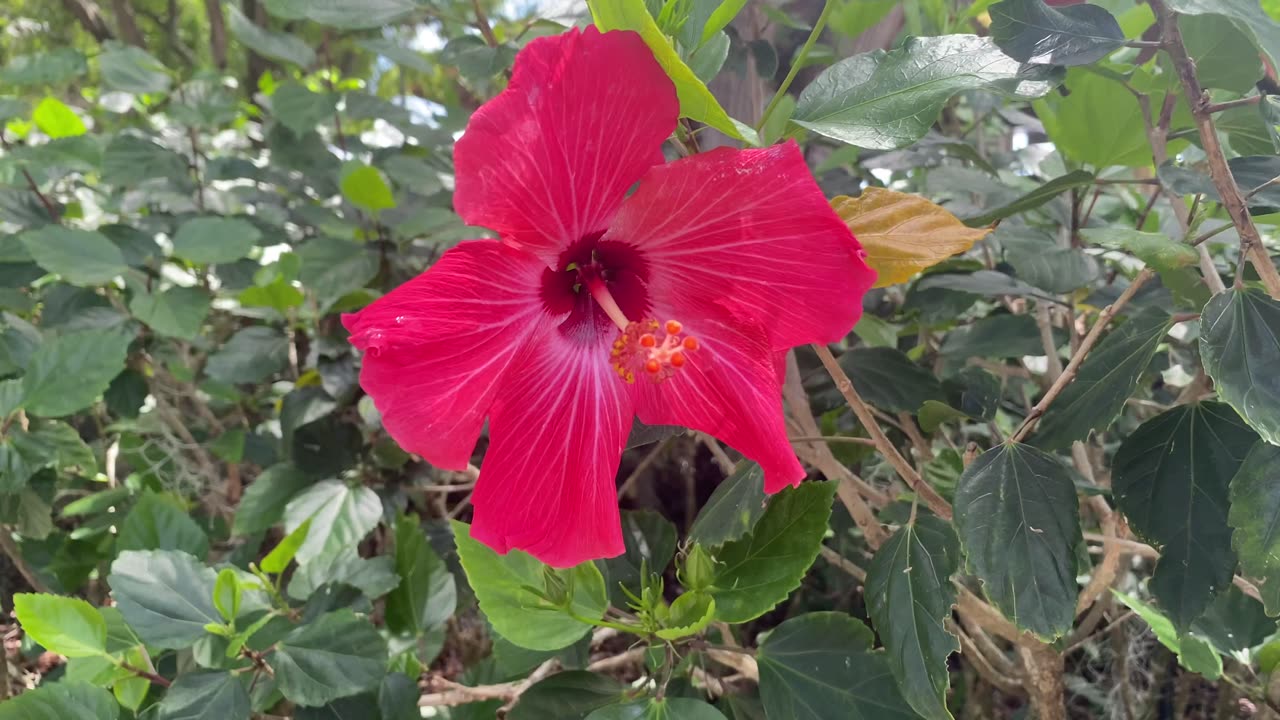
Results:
x,y
903,234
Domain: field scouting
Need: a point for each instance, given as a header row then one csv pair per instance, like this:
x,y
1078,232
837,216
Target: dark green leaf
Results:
x,y
666,709
888,100
820,666
909,594
733,509
1255,509
264,502
571,695
1019,523
980,282
161,522
1234,622
427,594
649,539
340,517
250,356
68,372
300,109
205,695
177,312
61,701
1106,378
81,257
502,585
1033,32
1155,249
133,70
1037,259
215,239
276,45
1170,477
1240,345
336,656
399,54
998,336
129,159
165,595
44,443
343,14
48,68
888,379
1247,15
756,572
1033,199
332,268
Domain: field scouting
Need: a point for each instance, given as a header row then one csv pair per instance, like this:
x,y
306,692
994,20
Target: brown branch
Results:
x,y
127,23
154,678
1044,670
217,33
1086,345
909,475
89,15
482,22
1232,197
1241,102
842,562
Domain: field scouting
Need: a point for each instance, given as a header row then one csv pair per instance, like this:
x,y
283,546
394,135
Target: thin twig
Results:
x,y
835,439
909,475
797,63
721,457
1086,345
1240,102
642,466
842,562
482,22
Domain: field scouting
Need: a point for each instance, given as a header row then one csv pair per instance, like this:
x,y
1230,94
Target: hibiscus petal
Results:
x,y
549,160
750,230
436,346
557,431
730,388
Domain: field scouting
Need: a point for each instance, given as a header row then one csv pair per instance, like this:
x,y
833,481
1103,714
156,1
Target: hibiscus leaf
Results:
x,y
758,571
820,666
650,541
61,701
655,709
1170,478
166,596
504,586
161,522
427,594
1255,504
336,656
207,695
1240,345
886,100
903,234
1030,31
568,695
1019,522
696,101
734,507
65,625
340,517
68,372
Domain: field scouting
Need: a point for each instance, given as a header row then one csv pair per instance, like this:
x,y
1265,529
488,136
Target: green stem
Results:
x,y
797,64
633,629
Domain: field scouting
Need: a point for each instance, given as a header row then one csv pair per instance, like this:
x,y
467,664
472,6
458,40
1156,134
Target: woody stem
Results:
x,y
605,300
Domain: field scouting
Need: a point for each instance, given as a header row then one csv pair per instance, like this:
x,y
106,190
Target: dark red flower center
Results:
x,y
565,288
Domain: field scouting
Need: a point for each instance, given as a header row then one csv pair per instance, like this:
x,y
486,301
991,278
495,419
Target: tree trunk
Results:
x,y
1044,668
89,15
217,33
127,24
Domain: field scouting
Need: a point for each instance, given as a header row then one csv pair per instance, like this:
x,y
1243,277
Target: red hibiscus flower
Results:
x,y
675,304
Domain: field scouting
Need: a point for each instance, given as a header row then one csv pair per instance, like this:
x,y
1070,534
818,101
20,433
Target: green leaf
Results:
x,y
909,594
177,312
886,100
263,503
1100,123
12,107
1155,249
1234,622
997,336
696,101
367,188
340,517
214,239
48,68
1037,259
502,585
130,692
227,594
44,443
61,701
81,257
68,372
654,709
133,70
129,159
56,119
1240,347
166,596
571,695
1247,15
65,625
1033,32
888,379
427,594
276,45
1224,54
733,509
250,356
649,540
688,615
332,268
300,109
1170,478
1033,199
980,282
336,656
161,522
1193,653
1019,522
205,695
1106,378
283,553
1255,506
279,294
756,572
374,577
399,54
820,666
344,14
